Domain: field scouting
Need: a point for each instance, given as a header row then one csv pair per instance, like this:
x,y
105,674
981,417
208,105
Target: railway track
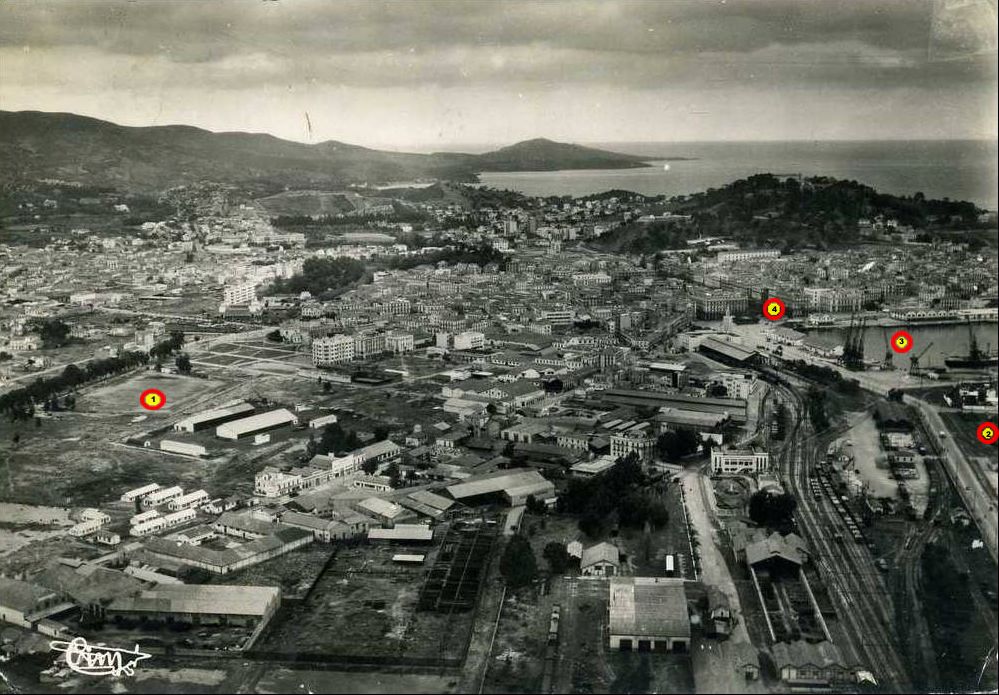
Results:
x,y
857,587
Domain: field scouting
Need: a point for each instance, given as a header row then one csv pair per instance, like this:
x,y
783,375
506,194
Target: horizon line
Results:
x,y
429,148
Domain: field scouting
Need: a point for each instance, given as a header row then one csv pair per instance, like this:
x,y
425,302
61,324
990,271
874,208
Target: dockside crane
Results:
x,y
914,360
889,361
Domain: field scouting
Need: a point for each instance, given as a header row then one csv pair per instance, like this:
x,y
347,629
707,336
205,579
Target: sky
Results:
x,y
441,75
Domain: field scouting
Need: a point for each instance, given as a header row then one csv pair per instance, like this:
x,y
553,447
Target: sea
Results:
x,y
934,342
955,169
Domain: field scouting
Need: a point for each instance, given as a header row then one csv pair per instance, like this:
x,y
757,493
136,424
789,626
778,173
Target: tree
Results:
x,y
183,363
369,466
394,474
557,556
274,336
54,333
772,509
674,445
535,506
518,565
717,391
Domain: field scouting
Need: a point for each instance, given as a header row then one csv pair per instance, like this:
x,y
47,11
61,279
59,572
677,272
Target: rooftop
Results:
x,y
648,606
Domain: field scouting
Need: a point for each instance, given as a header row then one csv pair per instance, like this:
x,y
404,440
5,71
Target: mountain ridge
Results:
x,y
40,144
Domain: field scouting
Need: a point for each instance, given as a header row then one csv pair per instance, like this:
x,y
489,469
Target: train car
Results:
x,y
553,625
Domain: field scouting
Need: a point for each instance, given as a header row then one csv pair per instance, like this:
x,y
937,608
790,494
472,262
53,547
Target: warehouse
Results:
x,y
282,541
734,408
249,426
198,604
727,353
213,418
402,533
322,421
648,614
183,448
514,486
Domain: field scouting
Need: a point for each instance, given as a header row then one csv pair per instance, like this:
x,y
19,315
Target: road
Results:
x,y
979,497
863,602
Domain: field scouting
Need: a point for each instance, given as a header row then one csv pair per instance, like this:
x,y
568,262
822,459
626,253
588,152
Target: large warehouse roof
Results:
x,y
249,425
514,480
730,350
200,599
648,606
402,532
212,415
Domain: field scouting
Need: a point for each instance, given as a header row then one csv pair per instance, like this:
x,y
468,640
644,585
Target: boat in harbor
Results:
x,y
976,358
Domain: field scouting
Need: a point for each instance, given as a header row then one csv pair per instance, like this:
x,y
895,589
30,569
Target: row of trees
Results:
x,y
19,404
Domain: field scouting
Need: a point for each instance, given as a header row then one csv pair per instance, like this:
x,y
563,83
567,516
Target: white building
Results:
x,y
239,293
163,496
368,345
256,424
637,442
143,517
331,350
180,517
184,448
738,461
191,499
147,527
399,343
746,255
322,421
469,340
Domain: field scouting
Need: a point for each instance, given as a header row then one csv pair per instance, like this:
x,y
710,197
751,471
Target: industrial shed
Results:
x,y
198,604
514,486
212,418
402,533
256,424
727,353
648,614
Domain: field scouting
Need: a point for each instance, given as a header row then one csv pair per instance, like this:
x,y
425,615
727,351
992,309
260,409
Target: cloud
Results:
x,y
650,52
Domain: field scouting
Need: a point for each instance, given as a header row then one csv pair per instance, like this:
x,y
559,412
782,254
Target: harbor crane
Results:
x,y
889,361
914,360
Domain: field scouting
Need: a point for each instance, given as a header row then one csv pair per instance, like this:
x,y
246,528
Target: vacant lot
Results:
x,y
378,601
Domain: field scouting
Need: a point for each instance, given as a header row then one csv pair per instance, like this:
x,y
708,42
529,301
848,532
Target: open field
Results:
x,y
363,589
79,458
283,680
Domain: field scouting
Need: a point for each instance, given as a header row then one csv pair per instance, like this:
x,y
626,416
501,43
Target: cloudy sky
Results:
x,y
424,75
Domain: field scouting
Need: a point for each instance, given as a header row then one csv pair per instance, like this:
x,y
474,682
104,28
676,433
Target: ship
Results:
x,y
976,357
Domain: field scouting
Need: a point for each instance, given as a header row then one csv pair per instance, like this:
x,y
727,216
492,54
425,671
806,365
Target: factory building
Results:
x,y
256,424
282,540
514,486
184,448
213,418
198,604
648,614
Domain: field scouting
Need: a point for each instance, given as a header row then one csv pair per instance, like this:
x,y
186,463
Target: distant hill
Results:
x,y
546,155
67,146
